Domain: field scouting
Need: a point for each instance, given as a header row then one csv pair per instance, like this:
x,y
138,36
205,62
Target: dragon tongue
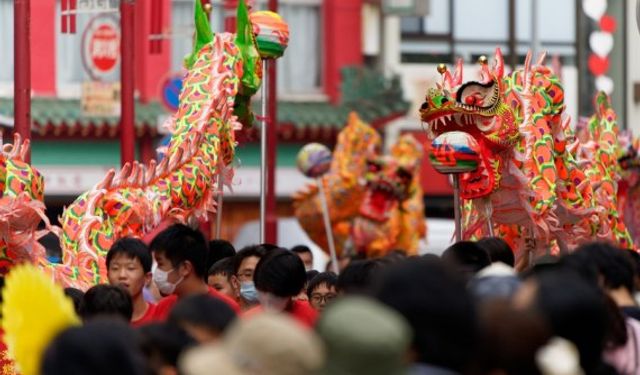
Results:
x,y
377,205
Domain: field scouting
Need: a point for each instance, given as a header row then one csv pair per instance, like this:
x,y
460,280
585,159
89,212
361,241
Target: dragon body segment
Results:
x,y
535,182
136,199
375,201
181,187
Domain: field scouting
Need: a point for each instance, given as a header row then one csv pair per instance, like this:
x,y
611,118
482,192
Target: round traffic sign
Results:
x,y
171,89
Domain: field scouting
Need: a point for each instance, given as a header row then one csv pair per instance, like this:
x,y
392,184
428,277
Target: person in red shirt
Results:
x,y
129,266
279,277
181,261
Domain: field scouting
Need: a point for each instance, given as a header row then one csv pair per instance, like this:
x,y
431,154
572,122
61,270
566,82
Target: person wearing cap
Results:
x,y
268,344
362,336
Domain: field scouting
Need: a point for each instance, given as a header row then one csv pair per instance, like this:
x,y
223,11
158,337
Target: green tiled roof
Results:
x,y
367,92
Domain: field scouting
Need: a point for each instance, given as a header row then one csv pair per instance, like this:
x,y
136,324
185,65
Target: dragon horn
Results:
x,y
24,149
203,35
107,180
151,170
498,69
528,76
122,174
457,73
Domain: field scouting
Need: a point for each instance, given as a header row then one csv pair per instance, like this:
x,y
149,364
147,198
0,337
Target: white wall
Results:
x,y
416,78
633,67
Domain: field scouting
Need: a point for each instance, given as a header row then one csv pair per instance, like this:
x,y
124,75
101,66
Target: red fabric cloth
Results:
x,y
299,310
163,308
147,318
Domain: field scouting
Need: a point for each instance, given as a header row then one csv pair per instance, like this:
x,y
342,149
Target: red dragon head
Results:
x,y
476,108
391,179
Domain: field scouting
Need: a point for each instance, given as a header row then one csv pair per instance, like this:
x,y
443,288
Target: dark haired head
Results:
x,y
611,263
327,278
248,251
498,250
281,273
106,301
219,249
162,344
100,347
76,296
358,277
222,267
133,248
576,311
301,249
202,316
179,244
467,257
438,307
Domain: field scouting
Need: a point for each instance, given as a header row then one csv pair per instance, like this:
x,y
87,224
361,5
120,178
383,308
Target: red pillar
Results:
x,y
22,68
127,45
43,48
342,41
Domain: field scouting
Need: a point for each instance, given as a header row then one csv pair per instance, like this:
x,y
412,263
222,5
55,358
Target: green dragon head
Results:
x,y
479,109
245,40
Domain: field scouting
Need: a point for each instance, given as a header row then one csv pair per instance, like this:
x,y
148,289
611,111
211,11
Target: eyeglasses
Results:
x,y
318,298
245,276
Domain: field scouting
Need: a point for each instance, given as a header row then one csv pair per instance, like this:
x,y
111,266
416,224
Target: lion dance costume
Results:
x,y
536,183
375,201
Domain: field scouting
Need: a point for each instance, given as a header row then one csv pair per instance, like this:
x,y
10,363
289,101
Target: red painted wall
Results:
x,y
342,32
43,47
151,70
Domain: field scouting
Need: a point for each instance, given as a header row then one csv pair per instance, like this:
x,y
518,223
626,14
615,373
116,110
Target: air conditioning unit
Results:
x,y
415,8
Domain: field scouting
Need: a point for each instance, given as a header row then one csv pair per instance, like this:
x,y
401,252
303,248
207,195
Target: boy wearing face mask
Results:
x,y
244,264
181,260
280,276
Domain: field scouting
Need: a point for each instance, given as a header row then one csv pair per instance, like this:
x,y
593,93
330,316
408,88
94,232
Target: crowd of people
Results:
x,y
184,306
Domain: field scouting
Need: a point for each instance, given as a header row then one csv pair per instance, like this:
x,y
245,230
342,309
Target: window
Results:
x,y
299,70
470,28
6,41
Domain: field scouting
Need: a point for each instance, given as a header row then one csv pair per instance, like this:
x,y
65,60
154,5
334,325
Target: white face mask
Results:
x,y
271,302
161,278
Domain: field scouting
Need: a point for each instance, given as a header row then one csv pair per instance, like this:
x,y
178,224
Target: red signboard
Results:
x,y
101,47
104,47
